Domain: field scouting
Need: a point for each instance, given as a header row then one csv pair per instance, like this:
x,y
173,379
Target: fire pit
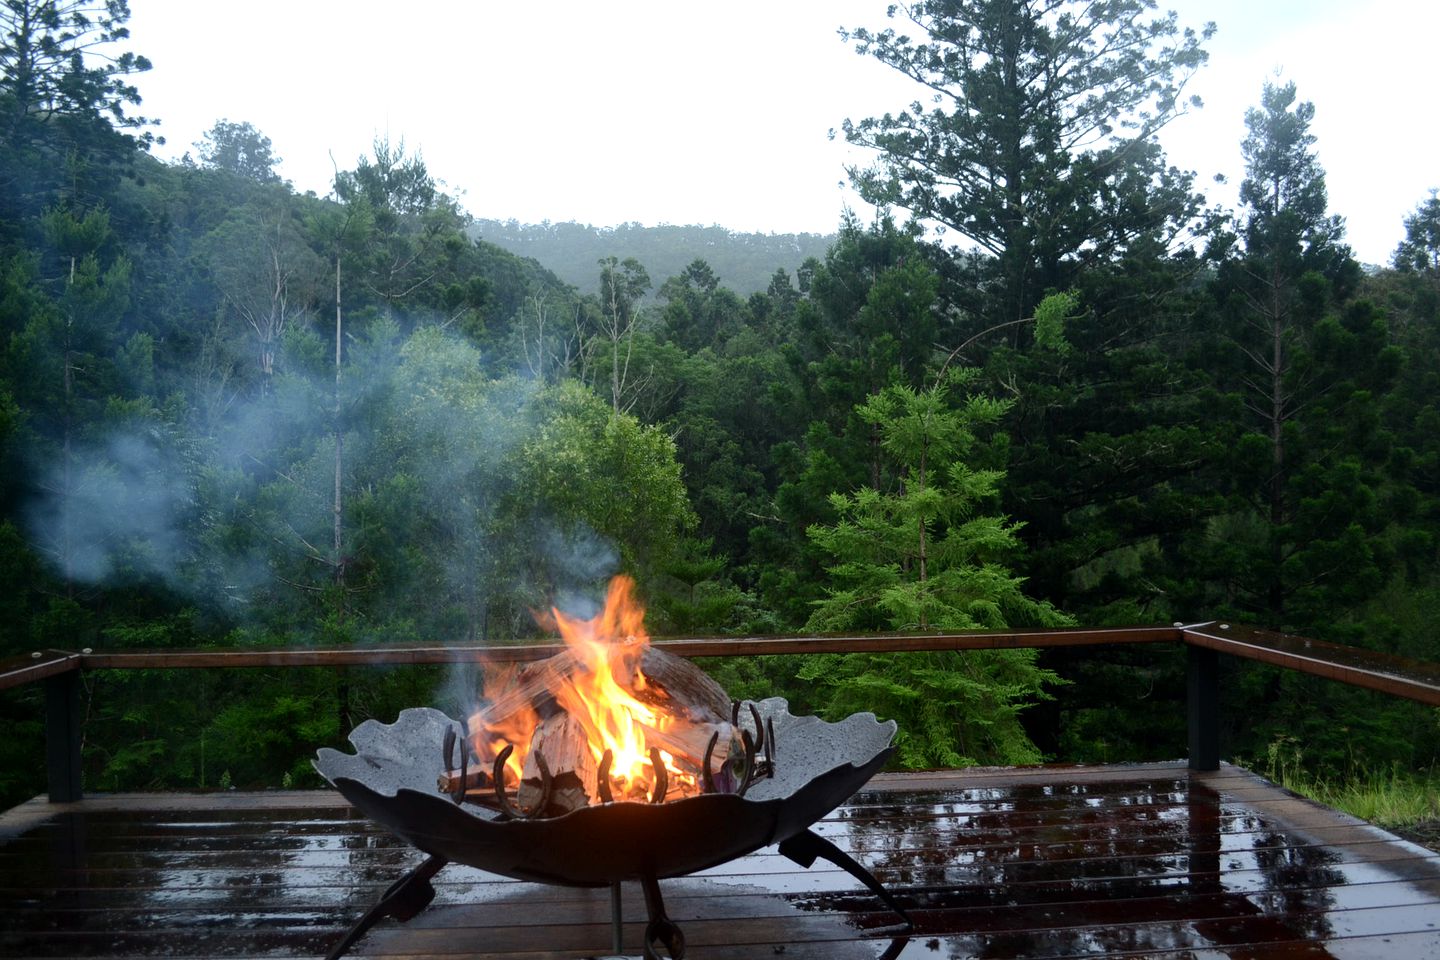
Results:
x,y
549,781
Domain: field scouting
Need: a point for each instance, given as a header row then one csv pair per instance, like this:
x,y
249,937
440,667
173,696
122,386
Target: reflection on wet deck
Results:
x,y
1146,860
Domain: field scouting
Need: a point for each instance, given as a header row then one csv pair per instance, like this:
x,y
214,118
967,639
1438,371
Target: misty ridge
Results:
x,y
744,262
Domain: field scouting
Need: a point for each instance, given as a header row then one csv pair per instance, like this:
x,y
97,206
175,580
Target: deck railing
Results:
x,y
1417,680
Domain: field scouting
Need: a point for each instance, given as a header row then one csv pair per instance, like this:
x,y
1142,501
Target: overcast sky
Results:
x,y
663,111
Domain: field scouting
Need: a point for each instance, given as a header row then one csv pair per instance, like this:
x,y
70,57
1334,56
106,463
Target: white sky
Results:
x,y
665,111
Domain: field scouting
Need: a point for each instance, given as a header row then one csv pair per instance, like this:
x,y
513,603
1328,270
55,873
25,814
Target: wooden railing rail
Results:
x,y
45,663
1413,679
1398,676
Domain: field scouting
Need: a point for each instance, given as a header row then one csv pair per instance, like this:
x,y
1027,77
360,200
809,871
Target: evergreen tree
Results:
x,y
698,311
925,553
403,262
868,320
1420,250
64,94
1036,140
1306,361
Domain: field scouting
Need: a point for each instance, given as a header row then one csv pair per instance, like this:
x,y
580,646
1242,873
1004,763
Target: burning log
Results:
x,y
687,743
531,688
679,682
667,728
683,686
561,740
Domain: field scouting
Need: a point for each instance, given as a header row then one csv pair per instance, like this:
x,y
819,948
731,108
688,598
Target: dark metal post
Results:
x,y
62,736
617,925
1203,690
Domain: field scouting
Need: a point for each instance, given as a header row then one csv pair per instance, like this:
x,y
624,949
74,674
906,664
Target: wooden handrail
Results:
x,y
18,671
1414,679
700,647
1398,676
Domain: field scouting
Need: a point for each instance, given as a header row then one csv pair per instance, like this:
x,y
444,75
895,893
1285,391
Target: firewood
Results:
x,y
682,682
686,742
530,688
687,688
562,741
475,779
697,705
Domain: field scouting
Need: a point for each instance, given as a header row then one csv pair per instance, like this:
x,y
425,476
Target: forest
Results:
x,y
233,414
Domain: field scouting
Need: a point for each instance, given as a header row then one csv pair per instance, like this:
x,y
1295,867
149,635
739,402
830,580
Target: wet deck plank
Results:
x,y
1140,861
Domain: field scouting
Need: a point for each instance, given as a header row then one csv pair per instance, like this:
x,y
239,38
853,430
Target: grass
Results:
x,y
1391,798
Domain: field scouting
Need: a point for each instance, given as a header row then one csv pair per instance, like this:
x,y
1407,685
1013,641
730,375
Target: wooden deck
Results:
x,y
1149,860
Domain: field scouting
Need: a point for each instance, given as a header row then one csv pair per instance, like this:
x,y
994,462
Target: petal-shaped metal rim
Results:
x,y
392,776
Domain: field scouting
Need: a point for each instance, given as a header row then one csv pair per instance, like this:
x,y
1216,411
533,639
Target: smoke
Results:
x,y
578,561
112,511
238,518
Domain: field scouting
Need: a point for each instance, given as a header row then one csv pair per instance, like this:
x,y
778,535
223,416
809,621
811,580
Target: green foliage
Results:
x,y
926,556
692,594
604,472
64,97
1305,361
953,709
1050,317
403,238
1420,250
22,751
240,149
254,738
1387,796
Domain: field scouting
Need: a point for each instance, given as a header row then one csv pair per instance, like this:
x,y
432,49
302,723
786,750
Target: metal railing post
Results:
x,y
1203,706
62,736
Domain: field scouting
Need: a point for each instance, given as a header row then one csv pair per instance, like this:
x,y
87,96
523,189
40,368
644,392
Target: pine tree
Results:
x,y
1035,140
926,554
1306,360
64,94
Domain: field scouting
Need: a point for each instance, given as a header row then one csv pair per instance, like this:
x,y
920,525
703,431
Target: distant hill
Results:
x,y
744,262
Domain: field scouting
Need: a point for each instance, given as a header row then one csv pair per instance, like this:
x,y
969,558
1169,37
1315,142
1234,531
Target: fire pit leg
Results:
x,y
805,848
617,926
660,929
405,898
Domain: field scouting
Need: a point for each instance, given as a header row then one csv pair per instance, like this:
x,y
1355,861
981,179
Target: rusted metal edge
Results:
x,y
1398,676
18,671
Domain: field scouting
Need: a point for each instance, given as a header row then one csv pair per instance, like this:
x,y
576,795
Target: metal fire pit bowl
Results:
x,y
817,766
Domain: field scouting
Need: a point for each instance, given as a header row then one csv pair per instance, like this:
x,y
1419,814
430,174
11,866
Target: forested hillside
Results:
x,y
743,262
234,414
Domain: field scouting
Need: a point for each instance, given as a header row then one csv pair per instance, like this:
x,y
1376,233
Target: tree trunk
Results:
x,y
1276,593
67,479
342,690
339,442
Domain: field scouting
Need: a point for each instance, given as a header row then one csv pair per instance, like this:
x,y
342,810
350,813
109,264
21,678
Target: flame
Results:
x,y
598,695
597,687
495,730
